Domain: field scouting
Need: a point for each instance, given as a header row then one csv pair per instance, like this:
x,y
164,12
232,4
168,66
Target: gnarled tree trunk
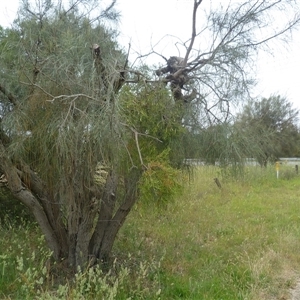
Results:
x,y
85,232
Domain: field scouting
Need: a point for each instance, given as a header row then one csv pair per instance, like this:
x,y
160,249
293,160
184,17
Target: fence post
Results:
x,y
277,164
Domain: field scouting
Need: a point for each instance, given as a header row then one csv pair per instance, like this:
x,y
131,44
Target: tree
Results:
x,y
75,144
273,124
61,111
212,74
216,145
67,152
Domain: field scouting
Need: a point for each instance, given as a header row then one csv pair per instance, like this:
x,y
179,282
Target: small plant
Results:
x,y
160,184
118,283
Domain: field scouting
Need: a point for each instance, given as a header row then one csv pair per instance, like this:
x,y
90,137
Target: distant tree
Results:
x,y
272,123
224,144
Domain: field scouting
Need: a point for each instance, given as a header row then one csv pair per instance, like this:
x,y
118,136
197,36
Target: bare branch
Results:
x,y
196,5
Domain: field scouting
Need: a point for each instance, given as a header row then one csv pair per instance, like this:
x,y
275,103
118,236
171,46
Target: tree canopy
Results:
x,y
273,123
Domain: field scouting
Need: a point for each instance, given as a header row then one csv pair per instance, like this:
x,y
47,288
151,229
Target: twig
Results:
x,y
136,137
75,96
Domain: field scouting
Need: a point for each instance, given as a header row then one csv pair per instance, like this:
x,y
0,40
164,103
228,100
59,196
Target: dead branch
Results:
x,y
196,5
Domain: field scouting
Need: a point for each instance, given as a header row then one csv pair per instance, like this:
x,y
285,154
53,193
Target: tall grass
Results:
x,y
238,242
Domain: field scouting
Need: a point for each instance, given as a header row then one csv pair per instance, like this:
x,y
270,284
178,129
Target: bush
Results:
x,y
160,183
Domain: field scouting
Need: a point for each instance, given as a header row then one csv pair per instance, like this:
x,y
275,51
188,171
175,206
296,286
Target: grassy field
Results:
x,y
238,242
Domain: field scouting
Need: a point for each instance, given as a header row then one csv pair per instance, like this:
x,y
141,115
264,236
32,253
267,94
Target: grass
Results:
x,y
238,242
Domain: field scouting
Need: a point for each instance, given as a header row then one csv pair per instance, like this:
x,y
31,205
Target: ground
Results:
x,y
295,292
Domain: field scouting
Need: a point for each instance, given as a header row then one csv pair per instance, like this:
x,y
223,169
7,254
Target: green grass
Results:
x,y
238,242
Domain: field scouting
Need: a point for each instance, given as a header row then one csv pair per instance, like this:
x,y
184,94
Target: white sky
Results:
x,y
146,22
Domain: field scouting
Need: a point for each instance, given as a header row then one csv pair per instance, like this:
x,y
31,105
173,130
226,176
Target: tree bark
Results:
x,y
25,196
105,214
119,217
50,205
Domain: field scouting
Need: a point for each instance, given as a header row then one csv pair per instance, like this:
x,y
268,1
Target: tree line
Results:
x,y
266,129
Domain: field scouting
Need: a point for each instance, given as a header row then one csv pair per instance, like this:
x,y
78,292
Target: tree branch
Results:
x,y
25,196
196,5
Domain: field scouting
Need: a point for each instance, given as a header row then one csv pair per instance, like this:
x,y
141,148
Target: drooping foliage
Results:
x,y
152,116
273,124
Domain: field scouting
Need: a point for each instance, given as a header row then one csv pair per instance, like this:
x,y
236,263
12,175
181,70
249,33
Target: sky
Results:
x,y
160,24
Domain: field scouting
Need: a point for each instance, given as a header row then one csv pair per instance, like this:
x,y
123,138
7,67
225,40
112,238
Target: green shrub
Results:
x,y
160,183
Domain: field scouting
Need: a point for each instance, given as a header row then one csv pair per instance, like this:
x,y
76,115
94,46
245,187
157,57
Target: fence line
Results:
x,y
249,161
